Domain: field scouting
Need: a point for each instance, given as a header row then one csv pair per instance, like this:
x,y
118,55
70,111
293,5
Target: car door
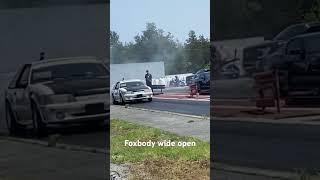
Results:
x,y
22,100
11,91
202,81
295,56
313,53
311,77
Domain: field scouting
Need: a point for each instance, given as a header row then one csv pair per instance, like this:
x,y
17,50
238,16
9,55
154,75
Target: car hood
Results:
x,y
136,88
77,87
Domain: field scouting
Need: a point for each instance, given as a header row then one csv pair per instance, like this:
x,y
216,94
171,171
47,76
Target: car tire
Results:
x,y
39,128
149,99
12,124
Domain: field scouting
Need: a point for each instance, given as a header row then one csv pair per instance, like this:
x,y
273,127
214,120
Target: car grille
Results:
x,y
95,108
92,109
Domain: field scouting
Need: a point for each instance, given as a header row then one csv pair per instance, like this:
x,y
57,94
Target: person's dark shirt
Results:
x,y
148,77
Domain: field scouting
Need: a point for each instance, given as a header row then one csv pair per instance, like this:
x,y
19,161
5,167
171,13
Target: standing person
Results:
x,y
148,78
42,56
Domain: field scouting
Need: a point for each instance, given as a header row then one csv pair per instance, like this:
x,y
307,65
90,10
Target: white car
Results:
x,y
57,91
130,90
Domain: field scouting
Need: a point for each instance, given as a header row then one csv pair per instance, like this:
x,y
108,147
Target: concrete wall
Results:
x,y
135,71
59,31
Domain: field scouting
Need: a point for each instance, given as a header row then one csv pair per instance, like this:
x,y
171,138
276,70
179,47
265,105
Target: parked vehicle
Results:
x,y
299,65
202,81
252,55
57,91
129,91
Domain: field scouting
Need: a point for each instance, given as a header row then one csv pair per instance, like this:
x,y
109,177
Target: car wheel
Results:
x,y
149,99
39,128
12,123
114,101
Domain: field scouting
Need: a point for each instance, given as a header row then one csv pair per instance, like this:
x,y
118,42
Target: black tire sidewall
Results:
x,y
13,129
40,130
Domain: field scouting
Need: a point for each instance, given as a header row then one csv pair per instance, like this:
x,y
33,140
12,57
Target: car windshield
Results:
x,y
131,84
290,32
68,71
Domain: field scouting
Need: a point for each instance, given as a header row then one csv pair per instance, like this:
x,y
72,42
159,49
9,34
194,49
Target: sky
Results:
x,y
129,17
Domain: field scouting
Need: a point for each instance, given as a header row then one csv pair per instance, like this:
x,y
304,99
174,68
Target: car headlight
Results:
x,y
57,98
128,92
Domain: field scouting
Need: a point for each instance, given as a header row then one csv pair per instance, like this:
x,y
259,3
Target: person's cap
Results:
x,y
147,71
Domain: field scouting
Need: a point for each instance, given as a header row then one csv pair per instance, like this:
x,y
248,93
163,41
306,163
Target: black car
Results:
x,y
252,55
202,81
299,65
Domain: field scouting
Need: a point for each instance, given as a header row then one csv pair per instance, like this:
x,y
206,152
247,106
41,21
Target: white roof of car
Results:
x,y
69,60
130,80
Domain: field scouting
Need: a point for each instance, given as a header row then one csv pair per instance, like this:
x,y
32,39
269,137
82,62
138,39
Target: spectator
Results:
x,y
41,56
148,78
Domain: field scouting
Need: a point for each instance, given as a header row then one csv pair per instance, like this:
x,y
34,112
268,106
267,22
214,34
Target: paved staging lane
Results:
x,y
190,107
269,146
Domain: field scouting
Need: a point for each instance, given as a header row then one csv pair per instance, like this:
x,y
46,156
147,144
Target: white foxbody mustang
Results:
x,y
56,91
130,90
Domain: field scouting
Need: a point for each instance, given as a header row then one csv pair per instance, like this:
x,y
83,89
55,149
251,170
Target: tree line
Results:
x,y
154,44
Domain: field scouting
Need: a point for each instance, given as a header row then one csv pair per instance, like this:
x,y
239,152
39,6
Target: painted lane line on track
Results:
x,y
271,108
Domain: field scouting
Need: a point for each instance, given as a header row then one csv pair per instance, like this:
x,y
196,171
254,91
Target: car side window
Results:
x,y
13,82
24,77
294,45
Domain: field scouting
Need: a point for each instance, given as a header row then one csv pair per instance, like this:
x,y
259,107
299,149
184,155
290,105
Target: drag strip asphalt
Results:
x,y
190,107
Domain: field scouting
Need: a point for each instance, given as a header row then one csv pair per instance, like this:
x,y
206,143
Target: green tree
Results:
x,y
312,14
154,44
197,50
116,48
